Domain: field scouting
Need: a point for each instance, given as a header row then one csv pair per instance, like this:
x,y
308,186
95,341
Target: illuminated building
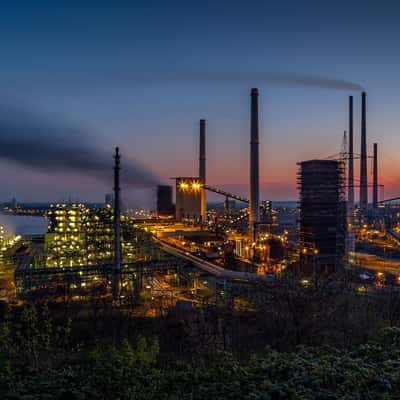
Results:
x,y
188,199
78,235
64,241
99,235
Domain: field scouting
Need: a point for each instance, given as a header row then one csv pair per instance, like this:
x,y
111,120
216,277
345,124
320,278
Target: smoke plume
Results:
x,y
33,141
250,77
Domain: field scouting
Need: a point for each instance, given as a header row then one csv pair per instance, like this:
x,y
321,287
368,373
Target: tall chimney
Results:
x,y
350,193
375,178
363,159
254,206
202,168
117,230
350,242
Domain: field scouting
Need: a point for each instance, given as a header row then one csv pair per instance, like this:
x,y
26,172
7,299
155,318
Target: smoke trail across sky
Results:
x,y
52,145
250,77
33,141
159,75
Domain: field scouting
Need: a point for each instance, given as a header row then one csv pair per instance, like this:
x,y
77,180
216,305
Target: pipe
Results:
x,y
375,178
254,197
363,159
202,168
117,228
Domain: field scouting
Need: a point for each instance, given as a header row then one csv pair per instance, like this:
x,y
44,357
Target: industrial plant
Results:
x,y
240,241
200,200
202,277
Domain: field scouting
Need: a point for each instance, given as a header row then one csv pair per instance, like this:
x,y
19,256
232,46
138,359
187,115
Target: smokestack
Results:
x,y
350,241
254,207
117,230
202,168
363,159
375,178
350,194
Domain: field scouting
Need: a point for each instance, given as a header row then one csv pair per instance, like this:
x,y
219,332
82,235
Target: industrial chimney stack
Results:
x,y
363,159
350,240
202,168
350,195
254,207
375,178
117,229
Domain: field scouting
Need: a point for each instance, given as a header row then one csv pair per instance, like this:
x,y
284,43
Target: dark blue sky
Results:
x,y
129,72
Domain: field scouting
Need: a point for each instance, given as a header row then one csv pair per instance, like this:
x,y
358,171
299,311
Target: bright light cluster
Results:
x,y
193,186
78,235
6,244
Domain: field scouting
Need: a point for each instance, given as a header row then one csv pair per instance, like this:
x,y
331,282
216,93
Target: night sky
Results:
x,y
141,74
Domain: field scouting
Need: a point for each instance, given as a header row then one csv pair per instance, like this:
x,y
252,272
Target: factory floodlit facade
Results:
x,y
188,199
78,235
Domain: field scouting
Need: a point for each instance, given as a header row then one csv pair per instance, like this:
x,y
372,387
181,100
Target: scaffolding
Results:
x,y
322,215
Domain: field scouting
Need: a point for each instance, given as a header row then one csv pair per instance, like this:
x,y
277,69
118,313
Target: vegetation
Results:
x,y
317,341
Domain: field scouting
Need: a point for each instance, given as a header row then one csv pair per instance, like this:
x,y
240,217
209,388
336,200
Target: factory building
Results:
x,y
64,241
79,235
322,219
98,235
165,206
188,199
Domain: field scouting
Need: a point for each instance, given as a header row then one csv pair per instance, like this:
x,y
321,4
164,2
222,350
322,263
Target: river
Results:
x,y
23,224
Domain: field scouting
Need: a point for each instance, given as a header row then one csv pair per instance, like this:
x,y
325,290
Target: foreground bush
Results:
x,y
371,371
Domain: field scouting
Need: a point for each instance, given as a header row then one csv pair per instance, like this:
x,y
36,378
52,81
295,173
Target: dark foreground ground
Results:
x,y
323,341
